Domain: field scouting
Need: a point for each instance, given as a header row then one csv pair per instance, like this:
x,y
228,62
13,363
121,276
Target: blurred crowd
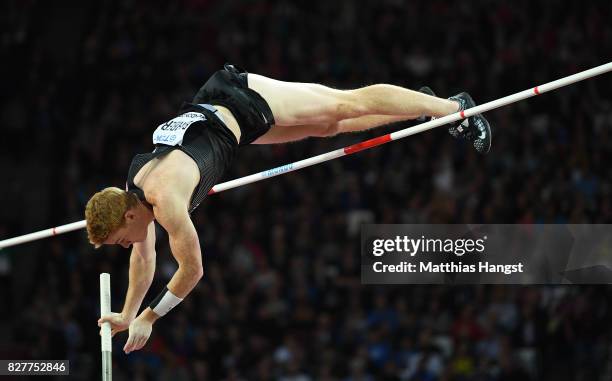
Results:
x,y
85,84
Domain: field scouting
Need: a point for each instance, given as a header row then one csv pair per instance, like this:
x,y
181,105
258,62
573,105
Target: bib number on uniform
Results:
x,y
171,133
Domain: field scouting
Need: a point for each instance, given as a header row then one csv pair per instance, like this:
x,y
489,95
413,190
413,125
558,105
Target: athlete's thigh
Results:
x,y
295,103
284,134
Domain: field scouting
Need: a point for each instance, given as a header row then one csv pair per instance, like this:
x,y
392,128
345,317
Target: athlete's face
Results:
x,y
134,230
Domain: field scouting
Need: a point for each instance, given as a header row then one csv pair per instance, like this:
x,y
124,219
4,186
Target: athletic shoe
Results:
x,y
474,128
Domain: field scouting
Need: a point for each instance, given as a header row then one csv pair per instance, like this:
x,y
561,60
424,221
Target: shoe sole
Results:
x,y
479,144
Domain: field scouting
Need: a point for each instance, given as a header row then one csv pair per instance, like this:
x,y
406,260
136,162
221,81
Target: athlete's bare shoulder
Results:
x,y
175,174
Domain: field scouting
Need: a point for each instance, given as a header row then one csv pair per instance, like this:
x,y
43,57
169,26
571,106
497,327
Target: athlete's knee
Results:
x,y
348,104
332,129
369,98
326,130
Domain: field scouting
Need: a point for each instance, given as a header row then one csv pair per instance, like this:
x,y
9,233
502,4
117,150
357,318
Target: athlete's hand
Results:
x,y
118,322
140,330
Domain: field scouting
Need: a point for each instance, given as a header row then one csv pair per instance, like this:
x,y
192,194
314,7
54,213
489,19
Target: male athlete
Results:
x,y
234,108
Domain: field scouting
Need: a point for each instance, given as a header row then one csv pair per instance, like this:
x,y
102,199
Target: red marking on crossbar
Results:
x,y
53,232
536,91
367,144
462,113
211,191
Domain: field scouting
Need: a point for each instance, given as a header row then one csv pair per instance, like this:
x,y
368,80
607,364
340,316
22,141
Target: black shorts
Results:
x,y
229,88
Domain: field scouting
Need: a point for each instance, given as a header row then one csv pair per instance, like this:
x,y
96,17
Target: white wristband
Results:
x,y
164,302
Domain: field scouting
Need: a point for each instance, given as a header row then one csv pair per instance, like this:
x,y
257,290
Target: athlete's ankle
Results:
x,y
451,107
457,106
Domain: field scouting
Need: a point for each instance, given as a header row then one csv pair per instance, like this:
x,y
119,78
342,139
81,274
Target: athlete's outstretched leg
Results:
x,y
322,109
294,103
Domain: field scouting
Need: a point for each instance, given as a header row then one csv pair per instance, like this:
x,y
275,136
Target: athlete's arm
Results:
x,y
173,215
142,270
171,212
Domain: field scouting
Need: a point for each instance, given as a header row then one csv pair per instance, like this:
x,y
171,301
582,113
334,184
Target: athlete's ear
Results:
x,y
129,215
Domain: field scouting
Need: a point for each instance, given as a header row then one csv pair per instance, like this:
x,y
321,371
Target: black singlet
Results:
x,y
209,143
